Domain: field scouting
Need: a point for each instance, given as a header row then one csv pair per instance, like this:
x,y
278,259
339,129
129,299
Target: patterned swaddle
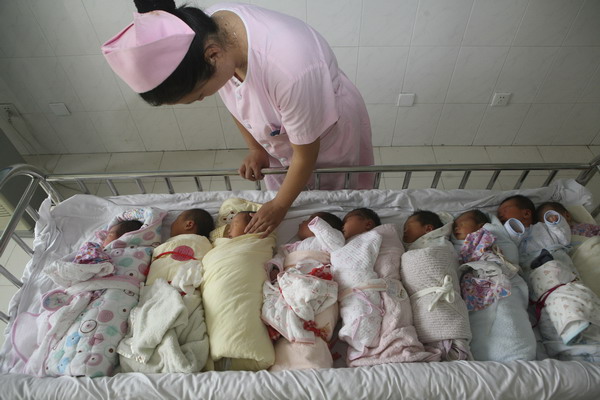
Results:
x,y
88,348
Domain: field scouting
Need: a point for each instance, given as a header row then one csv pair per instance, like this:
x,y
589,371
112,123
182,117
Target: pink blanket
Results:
x,y
398,340
296,355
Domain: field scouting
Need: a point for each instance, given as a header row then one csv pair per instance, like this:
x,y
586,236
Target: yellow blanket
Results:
x,y
178,250
232,293
587,262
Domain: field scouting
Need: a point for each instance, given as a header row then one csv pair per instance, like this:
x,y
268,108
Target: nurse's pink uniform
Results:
x,y
295,92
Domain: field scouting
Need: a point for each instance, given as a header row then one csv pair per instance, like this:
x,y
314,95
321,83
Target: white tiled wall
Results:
x,y
385,155
453,54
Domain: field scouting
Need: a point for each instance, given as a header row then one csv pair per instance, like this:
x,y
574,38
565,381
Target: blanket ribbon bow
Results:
x,y
444,292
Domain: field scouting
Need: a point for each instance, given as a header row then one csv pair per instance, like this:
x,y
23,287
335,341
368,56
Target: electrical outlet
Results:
x,y
8,111
500,99
405,100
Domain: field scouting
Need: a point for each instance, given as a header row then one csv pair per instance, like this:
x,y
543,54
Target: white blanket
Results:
x,y
167,332
439,313
359,290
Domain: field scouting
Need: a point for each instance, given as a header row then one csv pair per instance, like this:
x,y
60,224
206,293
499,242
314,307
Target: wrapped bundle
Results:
x,y
397,340
439,313
571,306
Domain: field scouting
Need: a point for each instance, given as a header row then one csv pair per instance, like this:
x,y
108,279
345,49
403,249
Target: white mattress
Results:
x,y
63,228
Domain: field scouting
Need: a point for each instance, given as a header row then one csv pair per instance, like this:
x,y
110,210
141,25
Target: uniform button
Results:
x,y
265,145
248,126
238,95
283,159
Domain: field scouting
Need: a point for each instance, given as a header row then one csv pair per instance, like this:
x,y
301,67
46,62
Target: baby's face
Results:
x,y
413,229
354,225
545,209
303,230
509,209
238,224
463,225
111,235
178,227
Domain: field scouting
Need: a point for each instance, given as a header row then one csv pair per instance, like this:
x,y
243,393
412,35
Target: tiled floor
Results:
x,y
15,258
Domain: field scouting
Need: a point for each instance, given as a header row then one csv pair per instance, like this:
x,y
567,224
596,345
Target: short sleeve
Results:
x,y
307,104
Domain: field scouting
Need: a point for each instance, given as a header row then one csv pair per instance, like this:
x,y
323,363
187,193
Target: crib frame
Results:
x,y
49,184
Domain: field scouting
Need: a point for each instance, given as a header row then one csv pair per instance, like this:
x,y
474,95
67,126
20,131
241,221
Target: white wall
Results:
x,y
453,54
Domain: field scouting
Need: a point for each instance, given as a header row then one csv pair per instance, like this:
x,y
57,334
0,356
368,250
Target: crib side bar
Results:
x,y
21,243
18,213
10,277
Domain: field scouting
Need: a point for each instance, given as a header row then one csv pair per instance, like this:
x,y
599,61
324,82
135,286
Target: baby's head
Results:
x,y
358,221
420,223
552,206
195,221
333,220
469,222
119,229
518,207
238,223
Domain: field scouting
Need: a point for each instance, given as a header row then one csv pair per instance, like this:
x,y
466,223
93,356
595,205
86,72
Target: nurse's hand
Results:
x,y
256,160
267,218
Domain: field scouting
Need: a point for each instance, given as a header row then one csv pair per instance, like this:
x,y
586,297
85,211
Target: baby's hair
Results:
x,y
203,220
366,213
478,216
552,204
523,202
332,219
428,218
127,226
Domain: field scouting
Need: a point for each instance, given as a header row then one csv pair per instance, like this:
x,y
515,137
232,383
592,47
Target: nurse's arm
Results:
x,y
270,215
304,159
257,158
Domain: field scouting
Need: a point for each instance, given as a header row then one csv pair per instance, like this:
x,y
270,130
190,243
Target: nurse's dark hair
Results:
x,y
194,67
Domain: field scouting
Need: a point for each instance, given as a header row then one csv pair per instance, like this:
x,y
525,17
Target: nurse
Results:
x,y
278,78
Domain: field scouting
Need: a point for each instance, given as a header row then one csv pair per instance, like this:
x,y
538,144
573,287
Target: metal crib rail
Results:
x,y
586,173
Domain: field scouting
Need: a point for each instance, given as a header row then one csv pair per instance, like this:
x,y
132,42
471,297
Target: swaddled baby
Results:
x,y
167,329
83,322
92,254
232,292
178,260
496,296
300,302
567,310
585,244
429,273
359,296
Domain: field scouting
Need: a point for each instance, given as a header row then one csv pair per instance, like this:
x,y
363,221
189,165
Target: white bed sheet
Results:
x,y
548,379
63,228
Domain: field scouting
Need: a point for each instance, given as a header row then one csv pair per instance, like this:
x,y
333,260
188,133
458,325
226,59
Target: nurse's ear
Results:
x,y
212,53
